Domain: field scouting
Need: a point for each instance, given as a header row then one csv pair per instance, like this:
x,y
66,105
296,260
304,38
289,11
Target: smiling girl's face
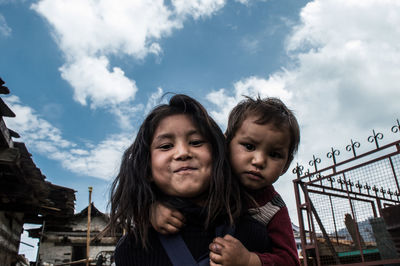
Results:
x,y
181,160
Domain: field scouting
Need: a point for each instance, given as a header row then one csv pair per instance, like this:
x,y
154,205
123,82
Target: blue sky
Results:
x,y
83,73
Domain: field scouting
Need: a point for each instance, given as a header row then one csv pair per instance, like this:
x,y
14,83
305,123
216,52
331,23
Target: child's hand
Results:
x,y
230,251
165,220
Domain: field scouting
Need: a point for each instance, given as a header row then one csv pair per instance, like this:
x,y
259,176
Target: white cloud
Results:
x,y
343,74
125,114
91,78
100,161
28,123
154,100
197,8
252,86
248,2
342,79
349,69
87,27
5,30
244,2
89,31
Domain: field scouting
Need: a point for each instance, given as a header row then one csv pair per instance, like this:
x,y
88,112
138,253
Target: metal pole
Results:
x,y
334,220
301,221
394,174
88,227
358,236
321,226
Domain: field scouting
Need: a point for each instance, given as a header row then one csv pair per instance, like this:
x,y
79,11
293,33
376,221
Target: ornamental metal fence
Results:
x,y
349,212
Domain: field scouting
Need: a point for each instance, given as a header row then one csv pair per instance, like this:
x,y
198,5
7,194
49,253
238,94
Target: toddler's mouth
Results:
x,y
253,173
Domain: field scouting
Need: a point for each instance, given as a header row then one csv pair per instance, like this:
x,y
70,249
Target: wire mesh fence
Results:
x,y
340,207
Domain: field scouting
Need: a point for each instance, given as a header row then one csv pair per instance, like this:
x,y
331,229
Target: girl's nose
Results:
x,y
182,152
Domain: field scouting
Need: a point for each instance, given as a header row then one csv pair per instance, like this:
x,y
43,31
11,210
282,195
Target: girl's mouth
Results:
x,y
184,169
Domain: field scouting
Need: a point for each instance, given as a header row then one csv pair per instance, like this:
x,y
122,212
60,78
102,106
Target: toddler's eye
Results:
x,y
249,147
197,143
275,155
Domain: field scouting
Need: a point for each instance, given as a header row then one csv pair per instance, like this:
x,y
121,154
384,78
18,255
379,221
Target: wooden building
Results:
x,y
65,240
25,195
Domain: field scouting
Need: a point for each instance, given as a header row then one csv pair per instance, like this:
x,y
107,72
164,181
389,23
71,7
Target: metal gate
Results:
x,y
341,207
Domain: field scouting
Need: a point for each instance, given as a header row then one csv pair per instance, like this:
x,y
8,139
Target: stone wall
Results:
x,y
11,227
49,252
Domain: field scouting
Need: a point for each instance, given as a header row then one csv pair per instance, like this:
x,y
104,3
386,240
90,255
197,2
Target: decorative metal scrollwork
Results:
x,y
332,154
383,191
353,146
314,162
359,186
396,128
390,193
375,137
298,169
350,183
367,187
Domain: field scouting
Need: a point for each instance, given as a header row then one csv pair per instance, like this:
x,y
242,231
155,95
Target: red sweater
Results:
x,y
274,214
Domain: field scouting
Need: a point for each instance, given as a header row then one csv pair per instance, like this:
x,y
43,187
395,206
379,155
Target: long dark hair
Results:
x,y
132,193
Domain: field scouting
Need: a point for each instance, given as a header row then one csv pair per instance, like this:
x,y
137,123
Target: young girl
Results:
x,y
178,158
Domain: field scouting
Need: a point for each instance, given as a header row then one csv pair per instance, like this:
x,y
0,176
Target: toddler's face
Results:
x,y
181,159
259,153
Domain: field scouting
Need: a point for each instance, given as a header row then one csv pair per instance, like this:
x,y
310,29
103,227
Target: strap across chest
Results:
x,y
179,254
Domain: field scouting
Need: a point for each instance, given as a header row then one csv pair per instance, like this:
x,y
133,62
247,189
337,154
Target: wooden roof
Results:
x,y
94,212
23,187
3,89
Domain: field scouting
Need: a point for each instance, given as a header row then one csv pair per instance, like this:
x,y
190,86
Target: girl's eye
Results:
x,y
165,147
249,147
197,143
